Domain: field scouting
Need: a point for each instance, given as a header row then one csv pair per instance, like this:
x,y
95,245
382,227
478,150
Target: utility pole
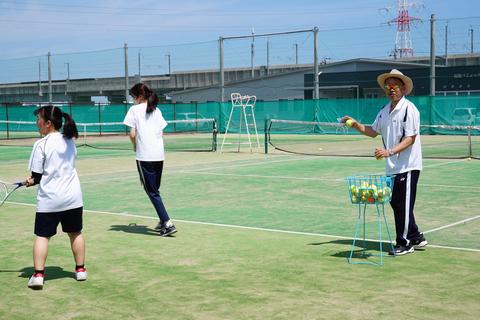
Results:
x,y
168,57
139,64
221,73
49,78
316,91
296,53
252,54
432,55
471,40
125,54
268,57
68,77
40,93
446,45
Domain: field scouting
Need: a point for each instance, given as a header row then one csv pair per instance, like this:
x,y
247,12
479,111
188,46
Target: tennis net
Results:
x,y
335,139
179,135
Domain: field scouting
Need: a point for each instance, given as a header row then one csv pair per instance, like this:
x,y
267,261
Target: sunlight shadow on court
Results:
x,y
362,247
51,273
134,228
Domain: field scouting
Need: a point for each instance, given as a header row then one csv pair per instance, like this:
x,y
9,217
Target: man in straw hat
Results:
x,y
399,125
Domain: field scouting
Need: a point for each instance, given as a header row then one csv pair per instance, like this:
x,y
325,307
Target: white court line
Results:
x,y
263,162
453,224
444,163
168,168
436,164
123,214
264,177
341,180
451,186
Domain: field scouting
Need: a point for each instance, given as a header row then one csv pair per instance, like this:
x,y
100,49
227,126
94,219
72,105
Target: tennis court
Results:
x,y
261,236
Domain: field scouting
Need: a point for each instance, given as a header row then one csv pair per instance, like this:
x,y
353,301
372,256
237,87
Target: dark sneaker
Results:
x,y
420,242
166,231
159,226
401,250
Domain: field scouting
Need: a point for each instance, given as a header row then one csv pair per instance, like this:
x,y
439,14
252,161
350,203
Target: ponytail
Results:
x,y
152,102
69,127
141,90
55,115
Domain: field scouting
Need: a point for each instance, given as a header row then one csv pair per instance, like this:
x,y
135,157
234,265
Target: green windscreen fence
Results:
x,y
441,116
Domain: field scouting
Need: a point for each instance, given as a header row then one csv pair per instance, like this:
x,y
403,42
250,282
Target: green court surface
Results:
x,y
260,237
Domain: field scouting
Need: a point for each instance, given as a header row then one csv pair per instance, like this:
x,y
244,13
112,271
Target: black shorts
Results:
x,y
46,223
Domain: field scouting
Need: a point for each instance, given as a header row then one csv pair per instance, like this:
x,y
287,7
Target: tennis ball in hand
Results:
x,y
349,123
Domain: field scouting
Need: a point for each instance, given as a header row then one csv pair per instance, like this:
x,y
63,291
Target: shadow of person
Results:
x,y
361,247
134,228
51,273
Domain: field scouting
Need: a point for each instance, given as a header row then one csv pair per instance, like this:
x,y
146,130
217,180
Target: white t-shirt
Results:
x,y
392,127
54,157
149,135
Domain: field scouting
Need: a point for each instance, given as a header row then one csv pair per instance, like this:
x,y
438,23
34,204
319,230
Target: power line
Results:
x,y
206,11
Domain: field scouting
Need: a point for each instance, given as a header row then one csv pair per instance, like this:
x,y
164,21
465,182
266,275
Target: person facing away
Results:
x,y
146,134
399,125
59,195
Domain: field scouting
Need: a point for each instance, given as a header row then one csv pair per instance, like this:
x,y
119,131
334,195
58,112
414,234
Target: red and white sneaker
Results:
x,y
81,274
36,281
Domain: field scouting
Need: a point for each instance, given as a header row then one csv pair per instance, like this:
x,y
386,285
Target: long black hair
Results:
x,y
141,90
56,115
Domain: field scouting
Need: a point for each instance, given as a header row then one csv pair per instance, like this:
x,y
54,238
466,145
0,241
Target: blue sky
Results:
x,y
34,27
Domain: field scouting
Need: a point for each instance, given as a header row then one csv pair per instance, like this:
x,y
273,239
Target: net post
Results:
x,y
266,135
6,119
470,141
84,134
215,131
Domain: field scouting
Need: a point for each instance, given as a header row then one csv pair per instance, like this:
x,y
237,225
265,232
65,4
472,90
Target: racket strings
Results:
x,y
3,192
6,189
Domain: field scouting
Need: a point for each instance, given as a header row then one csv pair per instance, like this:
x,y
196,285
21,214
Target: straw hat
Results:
x,y
396,74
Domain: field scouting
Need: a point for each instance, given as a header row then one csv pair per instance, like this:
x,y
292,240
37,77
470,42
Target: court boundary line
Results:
x,y
124,214
452,224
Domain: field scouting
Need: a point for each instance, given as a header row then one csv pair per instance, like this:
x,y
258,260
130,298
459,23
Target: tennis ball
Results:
x,y
387,192
353,189
349,123
354,199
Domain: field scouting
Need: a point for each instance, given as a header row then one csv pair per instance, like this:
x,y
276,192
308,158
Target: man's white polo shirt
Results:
x,y
403,121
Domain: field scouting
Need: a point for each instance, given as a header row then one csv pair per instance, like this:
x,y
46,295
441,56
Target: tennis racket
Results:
x,y
7,188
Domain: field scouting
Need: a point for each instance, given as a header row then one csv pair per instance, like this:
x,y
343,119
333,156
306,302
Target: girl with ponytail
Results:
x,y
59,196
146,134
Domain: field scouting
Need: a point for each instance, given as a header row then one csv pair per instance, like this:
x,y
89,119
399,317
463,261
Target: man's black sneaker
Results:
x,y
159,226
401,250
166,231
420,242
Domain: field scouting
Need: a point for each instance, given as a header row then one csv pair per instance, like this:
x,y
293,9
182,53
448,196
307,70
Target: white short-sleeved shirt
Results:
x,y
54,157
403,121
149,132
